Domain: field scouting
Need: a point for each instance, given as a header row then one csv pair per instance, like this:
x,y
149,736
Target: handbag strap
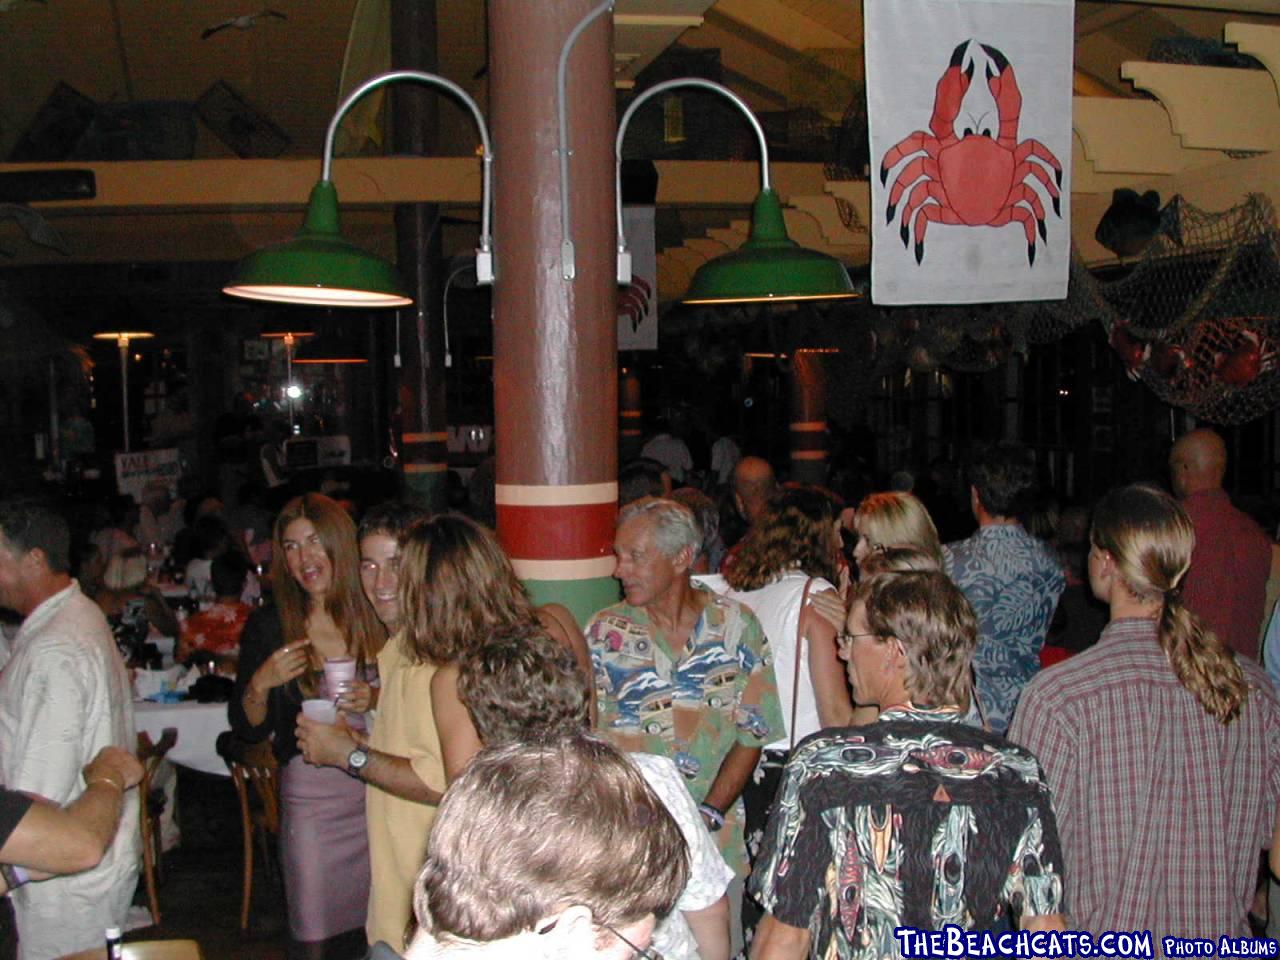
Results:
x,y
795,674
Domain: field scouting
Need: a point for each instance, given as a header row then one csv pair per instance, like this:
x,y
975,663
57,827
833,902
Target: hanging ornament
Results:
x,y
1132,352
1168,360
1241,366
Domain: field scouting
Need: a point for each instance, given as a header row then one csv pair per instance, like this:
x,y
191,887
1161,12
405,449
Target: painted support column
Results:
x,y
415,112
555,340
808,417
630,416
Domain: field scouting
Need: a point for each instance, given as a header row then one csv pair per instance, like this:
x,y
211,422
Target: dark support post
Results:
x,y
555,349
414,112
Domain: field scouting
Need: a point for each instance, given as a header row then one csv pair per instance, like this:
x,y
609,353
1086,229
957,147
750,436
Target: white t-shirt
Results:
x,y
671,452
777,607
709,875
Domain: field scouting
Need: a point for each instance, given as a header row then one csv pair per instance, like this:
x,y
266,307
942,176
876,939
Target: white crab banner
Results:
x,y
970,116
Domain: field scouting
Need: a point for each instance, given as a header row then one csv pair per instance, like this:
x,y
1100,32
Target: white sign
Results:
x,y
969,104
135,470
638,300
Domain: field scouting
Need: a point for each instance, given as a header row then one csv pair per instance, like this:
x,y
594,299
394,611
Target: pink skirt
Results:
x,y
324,847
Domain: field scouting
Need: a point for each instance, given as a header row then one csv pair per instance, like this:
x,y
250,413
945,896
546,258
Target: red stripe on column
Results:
x,y
557,533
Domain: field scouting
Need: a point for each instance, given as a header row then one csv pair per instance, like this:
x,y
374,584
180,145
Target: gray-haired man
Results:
x,y
682,672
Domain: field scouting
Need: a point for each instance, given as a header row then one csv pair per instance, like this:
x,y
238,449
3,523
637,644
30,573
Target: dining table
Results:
x,y
198,726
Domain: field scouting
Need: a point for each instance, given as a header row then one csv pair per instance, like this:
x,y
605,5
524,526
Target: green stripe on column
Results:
x,y
429,490
582,597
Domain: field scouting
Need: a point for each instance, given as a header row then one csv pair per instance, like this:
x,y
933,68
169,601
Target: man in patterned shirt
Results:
x,y
682,672
1011,578
916,820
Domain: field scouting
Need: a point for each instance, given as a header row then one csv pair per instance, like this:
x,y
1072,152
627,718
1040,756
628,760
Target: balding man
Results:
x,y
753,485
1227,582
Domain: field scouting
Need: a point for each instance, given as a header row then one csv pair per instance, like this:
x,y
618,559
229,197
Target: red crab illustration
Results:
x,y
966,176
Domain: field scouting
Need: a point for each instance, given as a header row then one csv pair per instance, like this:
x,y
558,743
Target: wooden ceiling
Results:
x,y
777,54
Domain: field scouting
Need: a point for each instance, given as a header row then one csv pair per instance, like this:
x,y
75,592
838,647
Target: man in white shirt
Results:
x,y
64,695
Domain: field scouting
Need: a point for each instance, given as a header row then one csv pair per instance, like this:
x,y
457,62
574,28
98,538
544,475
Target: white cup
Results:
x,y
322,711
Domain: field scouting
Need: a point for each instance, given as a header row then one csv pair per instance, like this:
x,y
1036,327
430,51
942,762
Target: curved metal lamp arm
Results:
x,y
568,268
484,255
624,256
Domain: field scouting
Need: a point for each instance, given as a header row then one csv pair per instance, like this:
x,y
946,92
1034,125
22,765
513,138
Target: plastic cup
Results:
x,y
322,711
338,674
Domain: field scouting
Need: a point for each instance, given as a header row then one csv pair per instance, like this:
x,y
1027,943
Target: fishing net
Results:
x,y
1196,317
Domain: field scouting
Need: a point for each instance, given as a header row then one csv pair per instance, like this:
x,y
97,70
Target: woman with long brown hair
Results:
x,y
457,588
319,612
1162,748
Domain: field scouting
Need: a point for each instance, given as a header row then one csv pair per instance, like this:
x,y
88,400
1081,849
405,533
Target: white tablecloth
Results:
x,y
198,726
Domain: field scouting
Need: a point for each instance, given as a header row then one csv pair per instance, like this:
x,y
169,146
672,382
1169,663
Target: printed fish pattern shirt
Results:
x,y
693,708
916,820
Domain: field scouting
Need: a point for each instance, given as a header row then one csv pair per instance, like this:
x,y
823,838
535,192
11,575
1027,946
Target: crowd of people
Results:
x,y
807,728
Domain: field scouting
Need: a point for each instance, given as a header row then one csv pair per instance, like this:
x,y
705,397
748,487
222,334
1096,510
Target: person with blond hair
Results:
x,y
1162,746
454,588
893,519
916,820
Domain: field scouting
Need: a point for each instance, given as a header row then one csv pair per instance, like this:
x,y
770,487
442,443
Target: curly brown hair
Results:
x,y
457,588
796,531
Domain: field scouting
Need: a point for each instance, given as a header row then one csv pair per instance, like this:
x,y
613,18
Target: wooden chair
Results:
x,y
151,803
256,766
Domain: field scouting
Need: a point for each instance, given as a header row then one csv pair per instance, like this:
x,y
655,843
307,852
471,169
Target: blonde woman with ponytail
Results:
x,y
1161,747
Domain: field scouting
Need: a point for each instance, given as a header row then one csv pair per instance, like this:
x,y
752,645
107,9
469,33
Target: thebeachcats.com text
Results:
x,y
953,942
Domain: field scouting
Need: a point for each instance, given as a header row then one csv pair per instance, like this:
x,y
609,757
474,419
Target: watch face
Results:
x,y
357,759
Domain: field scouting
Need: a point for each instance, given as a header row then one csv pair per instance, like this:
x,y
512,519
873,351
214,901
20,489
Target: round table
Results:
x,y
198,726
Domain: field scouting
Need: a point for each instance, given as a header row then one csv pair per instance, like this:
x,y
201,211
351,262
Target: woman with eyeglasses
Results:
x,y
893,519
319,612
790,556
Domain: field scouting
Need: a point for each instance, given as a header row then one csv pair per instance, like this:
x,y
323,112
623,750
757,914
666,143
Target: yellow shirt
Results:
x,y
398,828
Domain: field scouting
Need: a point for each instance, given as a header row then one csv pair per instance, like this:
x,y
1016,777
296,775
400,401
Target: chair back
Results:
x,y
150,807
256,767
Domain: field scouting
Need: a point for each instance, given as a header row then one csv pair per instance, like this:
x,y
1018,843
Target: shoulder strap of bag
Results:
x,y
795,674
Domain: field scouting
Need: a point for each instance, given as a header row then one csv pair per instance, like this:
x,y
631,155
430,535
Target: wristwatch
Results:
x,y
357,760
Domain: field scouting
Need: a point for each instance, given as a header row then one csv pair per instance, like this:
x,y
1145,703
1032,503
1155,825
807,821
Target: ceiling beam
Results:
x,y
1266,7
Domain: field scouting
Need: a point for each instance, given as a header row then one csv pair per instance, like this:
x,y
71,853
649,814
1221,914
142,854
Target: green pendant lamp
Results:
x,y
769,267
320,267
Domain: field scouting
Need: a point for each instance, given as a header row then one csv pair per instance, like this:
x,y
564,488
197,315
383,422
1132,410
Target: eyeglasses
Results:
x,y
649,954
846,639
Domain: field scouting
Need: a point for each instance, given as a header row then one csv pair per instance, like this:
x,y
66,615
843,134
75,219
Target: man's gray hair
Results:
x,y
674,525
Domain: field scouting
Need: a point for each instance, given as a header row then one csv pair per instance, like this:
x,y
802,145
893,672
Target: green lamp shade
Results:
x,y
770,266
318,267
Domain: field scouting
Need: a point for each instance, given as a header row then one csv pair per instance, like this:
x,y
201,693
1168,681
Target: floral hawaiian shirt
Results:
x,y
693,708
1013,581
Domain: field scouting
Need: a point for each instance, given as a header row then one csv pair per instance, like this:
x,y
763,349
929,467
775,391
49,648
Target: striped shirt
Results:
x,y
1161,809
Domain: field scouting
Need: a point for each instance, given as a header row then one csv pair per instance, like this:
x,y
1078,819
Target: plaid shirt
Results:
x,y
1161,809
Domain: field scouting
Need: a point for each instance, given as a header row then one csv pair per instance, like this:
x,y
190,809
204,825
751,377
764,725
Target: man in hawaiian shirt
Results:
x,y
1012,579
916,821
682,672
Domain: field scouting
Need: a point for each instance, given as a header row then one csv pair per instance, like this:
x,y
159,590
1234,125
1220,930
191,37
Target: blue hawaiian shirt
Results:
x,y
1013,581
